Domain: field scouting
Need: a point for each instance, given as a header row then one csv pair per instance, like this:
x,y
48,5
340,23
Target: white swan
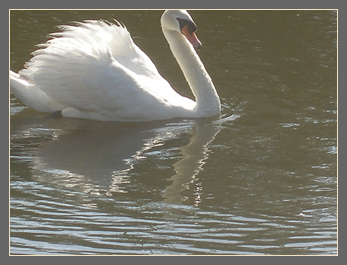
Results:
x,y
93,70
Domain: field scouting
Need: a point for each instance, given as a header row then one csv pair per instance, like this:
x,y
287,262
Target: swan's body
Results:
x,y
95,71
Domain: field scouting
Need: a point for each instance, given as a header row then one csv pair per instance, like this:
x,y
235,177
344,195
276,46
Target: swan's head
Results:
x,y
181,21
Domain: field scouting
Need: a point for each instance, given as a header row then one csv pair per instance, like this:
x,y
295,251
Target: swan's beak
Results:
x,y
191,37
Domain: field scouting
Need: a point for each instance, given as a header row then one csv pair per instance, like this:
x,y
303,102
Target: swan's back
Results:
x,y
95,71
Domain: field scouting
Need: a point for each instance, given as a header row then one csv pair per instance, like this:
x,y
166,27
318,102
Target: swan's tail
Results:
x,y
31,95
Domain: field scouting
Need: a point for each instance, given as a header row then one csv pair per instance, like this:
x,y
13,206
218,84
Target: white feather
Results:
x,y
93,70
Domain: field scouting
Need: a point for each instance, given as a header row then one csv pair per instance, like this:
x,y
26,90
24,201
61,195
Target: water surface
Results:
x,y
262,179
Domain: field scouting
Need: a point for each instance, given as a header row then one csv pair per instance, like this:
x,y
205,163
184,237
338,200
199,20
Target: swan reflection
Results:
x,y
100,158
194,155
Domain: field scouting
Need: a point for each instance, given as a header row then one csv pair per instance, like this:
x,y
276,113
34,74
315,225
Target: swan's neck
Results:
x,y
207,100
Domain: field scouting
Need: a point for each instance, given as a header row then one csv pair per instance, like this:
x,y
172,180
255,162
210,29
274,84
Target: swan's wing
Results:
x,y
97,36
91,84
88,69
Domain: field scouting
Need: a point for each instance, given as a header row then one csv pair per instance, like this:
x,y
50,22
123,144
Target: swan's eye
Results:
x,y
187,23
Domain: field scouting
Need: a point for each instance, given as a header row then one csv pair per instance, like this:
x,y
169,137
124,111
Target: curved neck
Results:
x,y
207,100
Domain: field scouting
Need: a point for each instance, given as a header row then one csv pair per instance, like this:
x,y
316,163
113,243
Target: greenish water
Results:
x,y
263,181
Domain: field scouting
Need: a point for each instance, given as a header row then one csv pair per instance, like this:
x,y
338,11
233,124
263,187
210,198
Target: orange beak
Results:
x,y
191,37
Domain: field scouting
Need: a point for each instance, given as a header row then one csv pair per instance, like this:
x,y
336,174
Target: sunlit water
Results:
x,y
262,179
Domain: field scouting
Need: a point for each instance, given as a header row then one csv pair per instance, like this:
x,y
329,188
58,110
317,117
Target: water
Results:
x,y
262,179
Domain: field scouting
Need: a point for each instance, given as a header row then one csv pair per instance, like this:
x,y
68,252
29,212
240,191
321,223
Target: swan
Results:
x,y
93,70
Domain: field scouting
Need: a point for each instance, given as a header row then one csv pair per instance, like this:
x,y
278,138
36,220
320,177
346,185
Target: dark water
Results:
x,y
260,180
